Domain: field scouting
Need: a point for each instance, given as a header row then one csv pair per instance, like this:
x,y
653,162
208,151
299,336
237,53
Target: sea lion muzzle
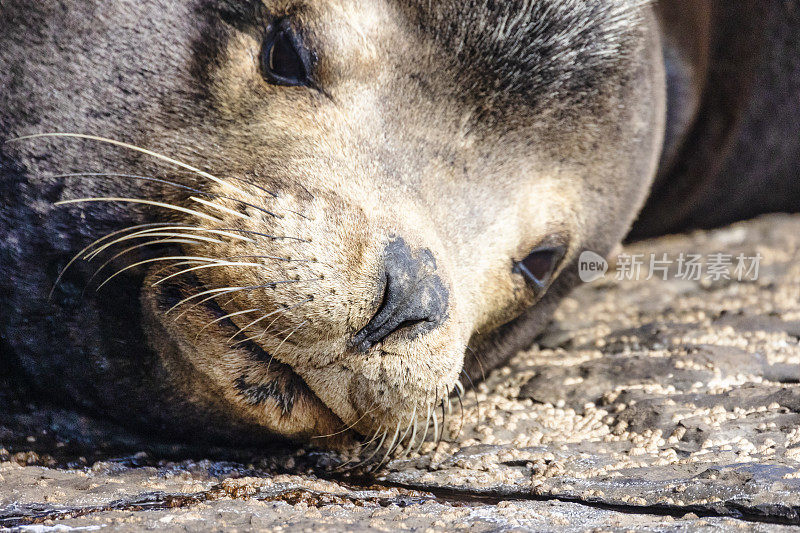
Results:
x,y
415,299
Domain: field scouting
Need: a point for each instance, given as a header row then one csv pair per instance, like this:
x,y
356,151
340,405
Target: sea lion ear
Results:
x,y
538,267
284,58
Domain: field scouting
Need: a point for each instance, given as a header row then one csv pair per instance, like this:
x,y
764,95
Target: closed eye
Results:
x,y
538,267
284,58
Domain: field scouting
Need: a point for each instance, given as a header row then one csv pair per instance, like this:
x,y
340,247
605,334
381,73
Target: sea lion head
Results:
x,y
308,212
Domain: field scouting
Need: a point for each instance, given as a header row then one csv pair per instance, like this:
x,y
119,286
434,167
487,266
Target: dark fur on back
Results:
x,y
739,155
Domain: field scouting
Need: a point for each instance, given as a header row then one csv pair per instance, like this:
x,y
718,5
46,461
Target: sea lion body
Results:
x,y
295,219
731,151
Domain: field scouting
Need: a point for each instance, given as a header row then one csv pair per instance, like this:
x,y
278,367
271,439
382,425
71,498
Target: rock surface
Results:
x,y
649,404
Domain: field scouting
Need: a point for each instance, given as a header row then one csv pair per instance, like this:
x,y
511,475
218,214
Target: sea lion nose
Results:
x,y
415,298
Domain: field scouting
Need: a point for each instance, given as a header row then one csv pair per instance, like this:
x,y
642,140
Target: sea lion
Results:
x,y
232,220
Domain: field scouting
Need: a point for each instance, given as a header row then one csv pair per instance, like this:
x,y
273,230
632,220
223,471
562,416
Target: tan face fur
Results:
x,y
397,146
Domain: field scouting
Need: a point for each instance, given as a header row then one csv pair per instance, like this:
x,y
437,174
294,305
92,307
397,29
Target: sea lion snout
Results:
x,y
415,298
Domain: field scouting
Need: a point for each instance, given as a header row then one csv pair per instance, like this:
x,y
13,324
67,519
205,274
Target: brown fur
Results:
x,y
450,135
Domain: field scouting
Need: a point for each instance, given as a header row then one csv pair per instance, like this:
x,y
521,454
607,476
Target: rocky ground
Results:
x,y
649,404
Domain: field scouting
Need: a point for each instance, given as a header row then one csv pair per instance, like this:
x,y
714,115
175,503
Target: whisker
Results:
x,y
214,294
228,290
242,202
153,260
179,264
219,207
474,392
139,201
444,421
272,257
137,177
256,321
252,184
351,426
461,408
220,319
374,437
377,448
135,149
410,445
303,323
266,235
427,426
298,213
264,332
98,241
272,356
154,242
435,425
148,234
202,267
413,436
391,446
172,184
478,359
362,447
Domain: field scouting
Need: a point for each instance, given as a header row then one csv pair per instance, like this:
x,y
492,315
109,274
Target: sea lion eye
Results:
x,y
539,265
284,59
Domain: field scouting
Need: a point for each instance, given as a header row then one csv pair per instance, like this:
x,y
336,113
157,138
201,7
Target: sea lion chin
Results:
x,y
237,220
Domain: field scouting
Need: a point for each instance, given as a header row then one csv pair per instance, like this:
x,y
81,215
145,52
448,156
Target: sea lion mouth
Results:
x,y
266,391
355,403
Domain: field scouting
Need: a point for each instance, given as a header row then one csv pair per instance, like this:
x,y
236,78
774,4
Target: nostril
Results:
x,y
409,323
414,299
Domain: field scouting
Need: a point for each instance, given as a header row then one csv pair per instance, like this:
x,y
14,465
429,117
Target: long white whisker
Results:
x,y
218,207
179,264
435,424
351,426
137,177
172,184
136,149
256,321
201,267
283,341
228,290
264,332
444,423
272,257
427,427
150,231
154,242
148,234
267,235
139,201
154,260
378,447
413,434
220,319
98,241
212,292
461,407
391,446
